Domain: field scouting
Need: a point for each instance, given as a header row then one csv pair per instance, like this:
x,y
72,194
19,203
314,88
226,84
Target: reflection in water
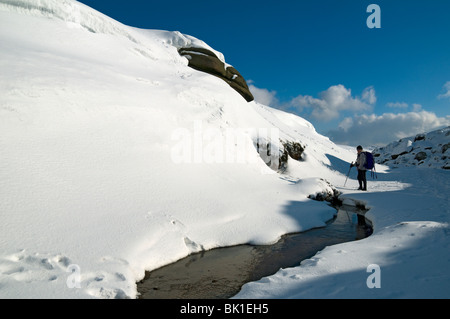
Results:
x,y
221,272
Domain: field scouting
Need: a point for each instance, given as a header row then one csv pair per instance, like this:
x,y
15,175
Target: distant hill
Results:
x,y
423,150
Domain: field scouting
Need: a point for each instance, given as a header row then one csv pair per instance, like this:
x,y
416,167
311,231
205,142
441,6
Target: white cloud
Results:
x,y
264,96
382,129
369,96
447,91
417,107
326,107
402,105
333,101
368,130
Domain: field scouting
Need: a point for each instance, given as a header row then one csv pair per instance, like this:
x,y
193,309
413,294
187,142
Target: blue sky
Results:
x,y
319,59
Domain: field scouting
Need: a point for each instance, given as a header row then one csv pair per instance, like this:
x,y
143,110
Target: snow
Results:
x,y
113,162
410,244
423,150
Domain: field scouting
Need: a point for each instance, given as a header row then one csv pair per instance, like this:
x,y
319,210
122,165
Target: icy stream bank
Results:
x,y
220,273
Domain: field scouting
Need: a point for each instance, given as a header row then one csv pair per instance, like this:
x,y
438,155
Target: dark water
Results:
x,y
221,272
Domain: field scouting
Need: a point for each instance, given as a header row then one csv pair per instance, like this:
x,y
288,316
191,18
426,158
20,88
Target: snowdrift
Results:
x,y
117,157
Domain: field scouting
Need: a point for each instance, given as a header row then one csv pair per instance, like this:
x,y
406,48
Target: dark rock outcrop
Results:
x,y
420,156
277,156
329,194
205,60
290,149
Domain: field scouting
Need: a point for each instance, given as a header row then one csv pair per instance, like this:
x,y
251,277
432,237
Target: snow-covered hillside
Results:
x,y
422,150
116,158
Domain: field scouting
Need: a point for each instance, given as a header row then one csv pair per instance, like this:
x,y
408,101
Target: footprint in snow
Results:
x,y
32,267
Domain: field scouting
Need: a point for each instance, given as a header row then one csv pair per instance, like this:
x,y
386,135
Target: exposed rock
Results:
x,y
397,155
419,137
426,150
294,149
205,60
291,149
277,156
420,156
329,194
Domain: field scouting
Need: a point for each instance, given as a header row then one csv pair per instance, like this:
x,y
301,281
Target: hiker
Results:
x,y
360,165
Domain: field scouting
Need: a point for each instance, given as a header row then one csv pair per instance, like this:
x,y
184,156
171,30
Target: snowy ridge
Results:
x,y
179,40
74,13
78,15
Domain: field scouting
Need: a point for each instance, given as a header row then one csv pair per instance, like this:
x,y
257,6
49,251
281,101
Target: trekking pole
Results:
x,y
351,165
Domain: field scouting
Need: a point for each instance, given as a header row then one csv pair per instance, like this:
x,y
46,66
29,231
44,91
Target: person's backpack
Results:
x,y
370,162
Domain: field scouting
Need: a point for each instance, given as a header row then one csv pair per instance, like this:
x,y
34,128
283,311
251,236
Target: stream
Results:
x,y
220,273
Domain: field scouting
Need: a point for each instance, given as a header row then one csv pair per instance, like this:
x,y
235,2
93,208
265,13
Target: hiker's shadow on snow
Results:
x,y
338,165
343,167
